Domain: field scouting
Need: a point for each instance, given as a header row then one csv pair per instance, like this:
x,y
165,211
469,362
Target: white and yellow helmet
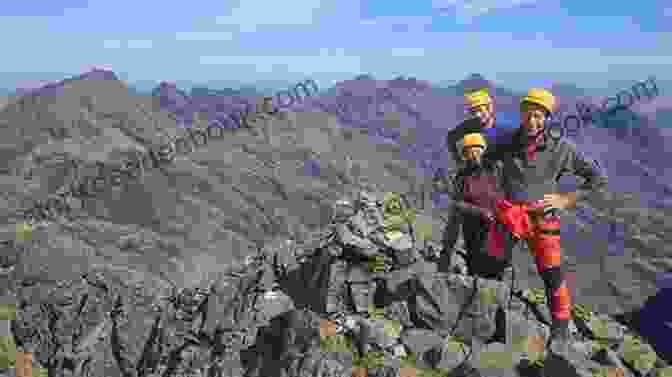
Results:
x,y
477,98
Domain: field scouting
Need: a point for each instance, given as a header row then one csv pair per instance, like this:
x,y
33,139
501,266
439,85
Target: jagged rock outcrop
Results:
x,y
475,342
170,96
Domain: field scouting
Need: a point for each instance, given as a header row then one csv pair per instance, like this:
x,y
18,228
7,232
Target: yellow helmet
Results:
x,y
477,98
471,140
541,97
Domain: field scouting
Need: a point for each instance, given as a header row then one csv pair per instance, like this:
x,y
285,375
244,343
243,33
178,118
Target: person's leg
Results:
x,y
450,235
545,245
480,263
502,265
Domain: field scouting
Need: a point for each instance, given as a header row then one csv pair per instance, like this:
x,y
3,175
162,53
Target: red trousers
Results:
x,y
527,221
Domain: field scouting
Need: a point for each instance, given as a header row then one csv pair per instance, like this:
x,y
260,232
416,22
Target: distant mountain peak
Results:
x,y
364,76
96,74
166,85
168,89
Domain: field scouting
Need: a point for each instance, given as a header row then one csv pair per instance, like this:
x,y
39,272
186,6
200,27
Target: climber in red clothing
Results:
x,y
532,166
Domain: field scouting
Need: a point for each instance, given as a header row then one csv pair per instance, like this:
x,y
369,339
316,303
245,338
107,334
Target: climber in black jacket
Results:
x,y
474,189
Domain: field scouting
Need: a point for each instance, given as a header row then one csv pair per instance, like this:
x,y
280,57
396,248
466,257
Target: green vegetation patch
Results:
x,y
336,343
664,372
7,352
535,295
424,231
392,328
487,296
582,312
376,264
369,360
411,361
7,312
496,359
454,344
23,232
394,212
635,354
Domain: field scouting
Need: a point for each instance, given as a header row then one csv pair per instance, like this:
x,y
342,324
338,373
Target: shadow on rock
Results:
x,y
556,365
289,346
651,321
307,284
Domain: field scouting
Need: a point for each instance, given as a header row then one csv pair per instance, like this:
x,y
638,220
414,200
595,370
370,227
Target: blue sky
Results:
x,y
517,43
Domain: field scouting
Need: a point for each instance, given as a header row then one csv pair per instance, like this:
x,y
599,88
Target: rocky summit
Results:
x,y
287,248
281,312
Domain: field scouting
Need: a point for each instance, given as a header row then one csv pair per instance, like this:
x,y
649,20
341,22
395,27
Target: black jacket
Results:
x,y
473,191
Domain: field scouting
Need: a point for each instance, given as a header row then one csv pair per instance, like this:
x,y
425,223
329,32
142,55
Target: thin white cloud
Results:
x,y
467,56
408,52
412,23
139,44
638,60
467,10
112,44
196,36
252,15
332,61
